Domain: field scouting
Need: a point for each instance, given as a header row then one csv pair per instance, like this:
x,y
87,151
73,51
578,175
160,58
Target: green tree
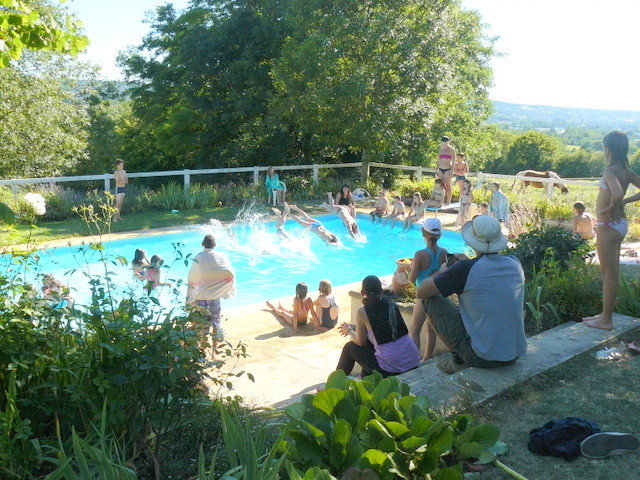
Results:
x,y
202,92
530,150
42,123
579,164
382,76
36,25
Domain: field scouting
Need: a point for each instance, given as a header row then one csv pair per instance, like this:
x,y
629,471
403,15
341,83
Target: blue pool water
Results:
x,y
267,265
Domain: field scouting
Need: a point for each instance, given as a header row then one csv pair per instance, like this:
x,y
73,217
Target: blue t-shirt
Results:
x,y
491,293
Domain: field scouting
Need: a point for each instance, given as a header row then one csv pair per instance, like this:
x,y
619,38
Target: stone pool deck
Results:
x,y
286,367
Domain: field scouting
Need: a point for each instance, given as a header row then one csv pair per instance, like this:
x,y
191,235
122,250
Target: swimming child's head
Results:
x,y
579,208
325,287
139,255
156,261
302,290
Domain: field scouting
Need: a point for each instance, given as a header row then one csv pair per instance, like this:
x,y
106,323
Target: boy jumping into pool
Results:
x,y
344,214
310,223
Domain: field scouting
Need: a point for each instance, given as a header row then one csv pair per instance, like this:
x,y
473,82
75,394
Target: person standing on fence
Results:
x,y
444,170
210,278
121,180
611,224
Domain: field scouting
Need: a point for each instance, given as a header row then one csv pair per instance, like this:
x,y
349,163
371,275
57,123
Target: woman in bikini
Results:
x,y
611,224
444,169
345,198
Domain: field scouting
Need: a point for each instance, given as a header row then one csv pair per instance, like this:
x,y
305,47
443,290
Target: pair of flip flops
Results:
x,y
605,444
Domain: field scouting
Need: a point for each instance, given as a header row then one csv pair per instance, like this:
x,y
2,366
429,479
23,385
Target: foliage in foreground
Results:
x,y
377,424
61,366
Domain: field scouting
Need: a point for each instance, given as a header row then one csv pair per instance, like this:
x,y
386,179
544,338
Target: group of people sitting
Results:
x,y
485,329
323,310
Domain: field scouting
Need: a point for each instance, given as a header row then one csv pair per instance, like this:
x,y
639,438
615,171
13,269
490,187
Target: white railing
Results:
x,y
315,168
185,174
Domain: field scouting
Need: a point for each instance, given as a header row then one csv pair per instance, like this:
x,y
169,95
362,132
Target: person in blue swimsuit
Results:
x,y
326,307
426,262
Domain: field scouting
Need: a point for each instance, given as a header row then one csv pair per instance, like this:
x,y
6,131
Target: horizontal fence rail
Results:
x,y
186,175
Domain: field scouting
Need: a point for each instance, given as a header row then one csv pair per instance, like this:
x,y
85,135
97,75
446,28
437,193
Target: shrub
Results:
x,y
377,424
555,243
629,297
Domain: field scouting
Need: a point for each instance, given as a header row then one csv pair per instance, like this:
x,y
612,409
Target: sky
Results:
x,y
565,53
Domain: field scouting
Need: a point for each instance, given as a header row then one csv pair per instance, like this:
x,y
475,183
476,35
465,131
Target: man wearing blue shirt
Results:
x,y
487,329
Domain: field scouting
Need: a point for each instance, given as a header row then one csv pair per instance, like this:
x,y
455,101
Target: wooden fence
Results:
x,y
255,172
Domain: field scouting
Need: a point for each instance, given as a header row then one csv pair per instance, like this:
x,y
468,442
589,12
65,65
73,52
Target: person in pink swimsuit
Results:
x,y
611,224
444,168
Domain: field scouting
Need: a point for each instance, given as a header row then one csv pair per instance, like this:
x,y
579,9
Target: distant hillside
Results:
x,y
516,116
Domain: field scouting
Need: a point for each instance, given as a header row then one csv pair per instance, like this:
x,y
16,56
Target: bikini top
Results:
x,y
602,184
445,156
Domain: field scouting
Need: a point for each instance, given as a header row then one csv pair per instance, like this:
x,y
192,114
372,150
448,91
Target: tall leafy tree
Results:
x,y
531,150
36,25
42,123
203,86
384,75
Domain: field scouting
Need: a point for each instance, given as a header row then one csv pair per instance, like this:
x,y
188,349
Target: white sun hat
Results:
x,y
484,234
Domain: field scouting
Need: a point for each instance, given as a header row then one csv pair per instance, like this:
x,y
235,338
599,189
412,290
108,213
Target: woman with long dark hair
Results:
x,y
379,339
611,224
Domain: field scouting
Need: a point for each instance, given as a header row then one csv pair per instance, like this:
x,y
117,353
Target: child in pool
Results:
x,y
139,263
152,274
302,306
326,307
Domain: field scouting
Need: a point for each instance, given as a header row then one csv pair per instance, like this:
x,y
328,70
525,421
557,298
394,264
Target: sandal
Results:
x,y
634,346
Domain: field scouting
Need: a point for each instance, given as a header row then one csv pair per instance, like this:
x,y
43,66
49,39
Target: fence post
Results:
x,y
419,174
550,189
256,176
316,177
364,173
107,182
187,180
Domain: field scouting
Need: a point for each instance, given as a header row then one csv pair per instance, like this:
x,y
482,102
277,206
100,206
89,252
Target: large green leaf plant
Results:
x,y
378,424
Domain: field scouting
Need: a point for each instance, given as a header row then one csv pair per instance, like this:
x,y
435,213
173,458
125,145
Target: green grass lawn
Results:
x,y
602,391
133,221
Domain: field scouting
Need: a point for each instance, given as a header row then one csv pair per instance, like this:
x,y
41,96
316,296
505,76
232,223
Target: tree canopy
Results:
x,y
36,25
274,81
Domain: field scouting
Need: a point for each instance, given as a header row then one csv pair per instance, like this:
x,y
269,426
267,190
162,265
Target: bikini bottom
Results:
x,y
621,226
444,170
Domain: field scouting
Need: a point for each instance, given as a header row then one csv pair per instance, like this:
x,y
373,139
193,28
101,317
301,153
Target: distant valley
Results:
x,y
525,117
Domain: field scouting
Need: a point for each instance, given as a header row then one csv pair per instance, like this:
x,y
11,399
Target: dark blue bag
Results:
x,y
561,438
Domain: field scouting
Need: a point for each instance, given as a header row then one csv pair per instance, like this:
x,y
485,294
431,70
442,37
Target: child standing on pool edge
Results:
x,y
326,307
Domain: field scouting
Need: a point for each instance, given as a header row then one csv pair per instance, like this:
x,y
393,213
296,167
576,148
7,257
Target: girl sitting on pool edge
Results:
x,y
302,306
326,307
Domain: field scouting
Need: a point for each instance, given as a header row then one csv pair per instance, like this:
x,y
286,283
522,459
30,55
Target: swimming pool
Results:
x,y
267,265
